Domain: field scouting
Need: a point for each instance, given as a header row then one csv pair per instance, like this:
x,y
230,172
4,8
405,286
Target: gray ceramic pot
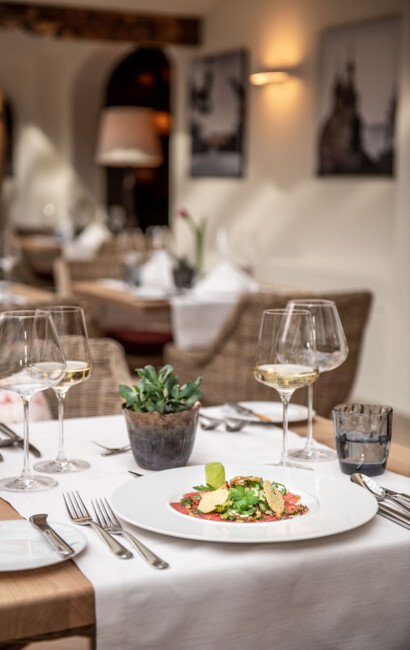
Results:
x,y
161,441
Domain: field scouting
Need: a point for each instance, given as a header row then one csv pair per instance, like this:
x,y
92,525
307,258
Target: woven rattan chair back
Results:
x,y
227,365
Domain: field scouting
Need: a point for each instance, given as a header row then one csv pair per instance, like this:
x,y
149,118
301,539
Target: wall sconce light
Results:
x,y
273,76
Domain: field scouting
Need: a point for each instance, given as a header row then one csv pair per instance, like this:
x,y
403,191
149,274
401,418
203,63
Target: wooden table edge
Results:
x,y
46,603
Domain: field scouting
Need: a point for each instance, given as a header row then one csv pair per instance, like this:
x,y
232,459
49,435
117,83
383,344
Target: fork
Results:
x,y
108,520
79,514
112,451
230,425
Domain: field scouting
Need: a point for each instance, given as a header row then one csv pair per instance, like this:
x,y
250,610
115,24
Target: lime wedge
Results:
x,y
215,474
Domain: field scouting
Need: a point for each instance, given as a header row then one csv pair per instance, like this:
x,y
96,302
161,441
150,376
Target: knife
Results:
x,y
57,542
19,440
394,516
244,411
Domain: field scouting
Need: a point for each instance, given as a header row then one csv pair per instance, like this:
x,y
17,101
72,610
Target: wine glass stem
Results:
x,y
26,462
309,441
61,457
285,402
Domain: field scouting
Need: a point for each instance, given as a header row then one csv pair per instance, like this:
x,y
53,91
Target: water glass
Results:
x,y
362,435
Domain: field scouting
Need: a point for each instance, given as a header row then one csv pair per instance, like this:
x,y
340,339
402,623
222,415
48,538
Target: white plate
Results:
x,y
335,505
23,547
272,410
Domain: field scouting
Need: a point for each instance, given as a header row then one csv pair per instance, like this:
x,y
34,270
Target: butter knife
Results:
x,y
245,411
394,516
57,542
19,440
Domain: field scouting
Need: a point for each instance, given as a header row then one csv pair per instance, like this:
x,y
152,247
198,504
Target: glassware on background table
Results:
x,y
362,435
158,237
31,360
332,350
9,257
70,324
131,246
286,359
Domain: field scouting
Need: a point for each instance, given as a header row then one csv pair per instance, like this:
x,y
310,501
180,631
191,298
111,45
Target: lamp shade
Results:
x,y
127,138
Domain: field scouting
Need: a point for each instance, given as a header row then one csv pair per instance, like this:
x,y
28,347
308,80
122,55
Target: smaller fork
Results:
x,y
79,514
108,520
112,451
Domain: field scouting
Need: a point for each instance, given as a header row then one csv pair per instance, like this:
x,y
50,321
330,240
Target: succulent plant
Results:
x,y
160,392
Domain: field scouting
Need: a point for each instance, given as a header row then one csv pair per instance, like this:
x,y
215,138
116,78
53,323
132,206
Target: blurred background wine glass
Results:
x,y
10,255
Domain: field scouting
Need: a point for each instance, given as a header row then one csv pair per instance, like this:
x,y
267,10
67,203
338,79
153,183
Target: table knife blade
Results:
x,y
245,411
57,542
394,516
19,440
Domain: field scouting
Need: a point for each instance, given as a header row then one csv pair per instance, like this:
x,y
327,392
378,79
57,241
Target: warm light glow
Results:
x,y
269,77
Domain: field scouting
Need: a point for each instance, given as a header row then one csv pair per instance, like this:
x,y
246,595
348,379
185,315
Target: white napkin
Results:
x,y
157,271
226,277
88,242
197,320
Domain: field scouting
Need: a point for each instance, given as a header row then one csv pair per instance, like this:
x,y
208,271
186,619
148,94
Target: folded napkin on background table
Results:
x,y
87,243
226,277
198,316
157,272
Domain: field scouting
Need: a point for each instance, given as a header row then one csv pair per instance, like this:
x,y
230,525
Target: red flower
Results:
x,y
182,213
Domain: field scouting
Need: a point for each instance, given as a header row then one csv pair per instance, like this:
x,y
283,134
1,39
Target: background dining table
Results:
x,y
348,590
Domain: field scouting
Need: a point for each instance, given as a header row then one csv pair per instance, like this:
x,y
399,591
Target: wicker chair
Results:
x,y
101,266
99,394
227,365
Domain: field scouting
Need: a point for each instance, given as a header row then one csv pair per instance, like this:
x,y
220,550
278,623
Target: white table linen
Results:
x,y
346,591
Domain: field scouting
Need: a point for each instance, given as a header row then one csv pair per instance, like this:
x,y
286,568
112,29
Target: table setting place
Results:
x,y
199,526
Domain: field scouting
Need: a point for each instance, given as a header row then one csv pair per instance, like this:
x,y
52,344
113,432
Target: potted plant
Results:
x,y
161,417
183,273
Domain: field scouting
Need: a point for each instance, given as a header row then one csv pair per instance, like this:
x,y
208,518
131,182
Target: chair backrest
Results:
x,y
101,266
227,365
99,394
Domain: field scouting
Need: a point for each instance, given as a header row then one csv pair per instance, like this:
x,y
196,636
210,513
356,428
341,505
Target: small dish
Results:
x,y
23,547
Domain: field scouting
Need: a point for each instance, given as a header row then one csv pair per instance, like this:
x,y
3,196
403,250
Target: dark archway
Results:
x,y
143,79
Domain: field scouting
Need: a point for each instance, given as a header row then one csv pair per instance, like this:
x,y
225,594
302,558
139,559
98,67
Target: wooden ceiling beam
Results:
x,y
92,24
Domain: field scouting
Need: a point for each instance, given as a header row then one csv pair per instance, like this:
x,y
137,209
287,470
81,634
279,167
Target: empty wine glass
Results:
x,y
286,359
131,247
31,360
332,350
70,324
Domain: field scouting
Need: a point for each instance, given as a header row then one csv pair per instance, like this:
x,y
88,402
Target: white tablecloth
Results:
x,y
348,591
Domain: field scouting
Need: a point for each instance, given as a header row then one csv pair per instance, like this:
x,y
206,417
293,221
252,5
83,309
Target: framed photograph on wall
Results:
x,y
358,79
217,114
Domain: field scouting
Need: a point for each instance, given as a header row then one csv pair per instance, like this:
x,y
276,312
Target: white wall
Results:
x,y
295,228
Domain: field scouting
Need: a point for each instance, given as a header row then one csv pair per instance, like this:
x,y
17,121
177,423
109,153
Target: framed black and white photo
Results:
x,y
217,114
358,78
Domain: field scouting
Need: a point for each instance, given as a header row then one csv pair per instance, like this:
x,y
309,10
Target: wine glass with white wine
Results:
x,y
286,359
31,360
332,350
72,332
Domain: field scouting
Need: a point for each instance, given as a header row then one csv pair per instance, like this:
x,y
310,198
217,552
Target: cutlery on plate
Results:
x,y
57,542
7,442
374,488
108,520
112,451
79,514
19,440
245,411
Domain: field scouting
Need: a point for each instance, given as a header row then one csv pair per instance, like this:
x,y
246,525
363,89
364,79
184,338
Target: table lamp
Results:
x,y
127,138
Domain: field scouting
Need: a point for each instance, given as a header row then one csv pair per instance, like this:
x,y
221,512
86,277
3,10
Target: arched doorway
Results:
x,y
143,79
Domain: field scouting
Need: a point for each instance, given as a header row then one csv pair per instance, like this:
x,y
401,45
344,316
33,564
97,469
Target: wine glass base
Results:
x,y
28,483
61,467
313,455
